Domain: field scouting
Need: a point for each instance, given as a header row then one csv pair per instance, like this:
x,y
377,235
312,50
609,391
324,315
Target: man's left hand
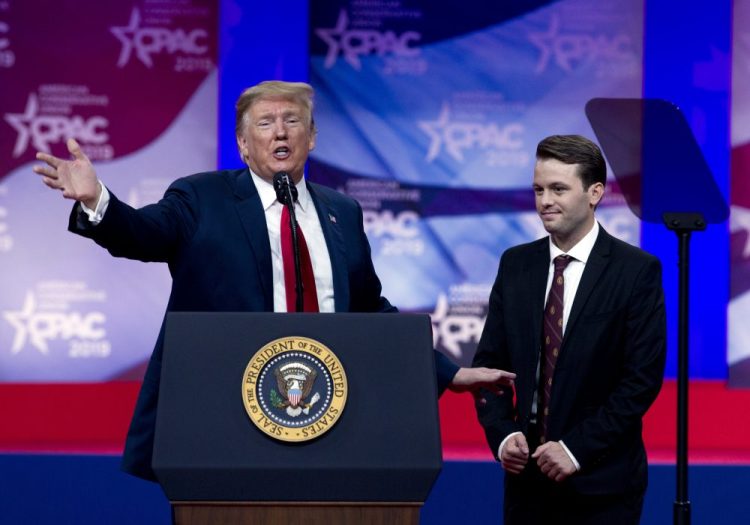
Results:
x,y
553,461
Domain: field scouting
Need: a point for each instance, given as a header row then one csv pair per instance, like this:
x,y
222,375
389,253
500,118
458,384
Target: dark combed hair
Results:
x,y
575,149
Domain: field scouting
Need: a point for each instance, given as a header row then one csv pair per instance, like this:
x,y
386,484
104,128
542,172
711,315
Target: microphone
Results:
x,y
286,193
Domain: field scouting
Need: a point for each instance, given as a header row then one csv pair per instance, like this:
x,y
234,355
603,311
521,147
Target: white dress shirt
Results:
x,y
572,275
307,218
309,222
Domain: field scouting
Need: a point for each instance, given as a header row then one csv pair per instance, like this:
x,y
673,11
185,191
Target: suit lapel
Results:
x,y
329,222
253,219
598,260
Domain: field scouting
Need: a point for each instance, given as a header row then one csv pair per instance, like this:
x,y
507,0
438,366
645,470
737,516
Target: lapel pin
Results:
x,y
332,218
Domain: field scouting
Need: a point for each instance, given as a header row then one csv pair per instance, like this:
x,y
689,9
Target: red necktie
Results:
x,y
552,332
310,294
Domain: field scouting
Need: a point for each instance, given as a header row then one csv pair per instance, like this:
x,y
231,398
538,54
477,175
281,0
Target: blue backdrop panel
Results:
x,y
686,61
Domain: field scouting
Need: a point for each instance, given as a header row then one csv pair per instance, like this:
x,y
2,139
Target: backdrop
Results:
x,y
135,84
738,344
429,115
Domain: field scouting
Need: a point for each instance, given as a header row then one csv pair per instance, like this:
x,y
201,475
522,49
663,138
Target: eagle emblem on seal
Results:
x,y
295,383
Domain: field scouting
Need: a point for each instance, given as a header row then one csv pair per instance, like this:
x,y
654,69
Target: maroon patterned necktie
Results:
x,y
552,334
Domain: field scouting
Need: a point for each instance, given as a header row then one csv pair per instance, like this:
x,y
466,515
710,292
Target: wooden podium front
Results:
x,y
291,513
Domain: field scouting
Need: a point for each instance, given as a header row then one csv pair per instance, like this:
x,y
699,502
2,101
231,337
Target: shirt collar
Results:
x,y
268,194
581,250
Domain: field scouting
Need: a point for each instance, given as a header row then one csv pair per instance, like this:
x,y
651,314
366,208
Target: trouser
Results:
x,y
533,499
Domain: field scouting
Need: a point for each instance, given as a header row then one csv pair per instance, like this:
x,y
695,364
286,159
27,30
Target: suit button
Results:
x,y
546,411
542,440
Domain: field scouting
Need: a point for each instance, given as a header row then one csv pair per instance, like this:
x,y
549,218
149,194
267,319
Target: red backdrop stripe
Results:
x,y
94,417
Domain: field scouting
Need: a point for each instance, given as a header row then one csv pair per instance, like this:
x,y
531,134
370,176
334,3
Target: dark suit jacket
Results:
x,y
211,230
610,366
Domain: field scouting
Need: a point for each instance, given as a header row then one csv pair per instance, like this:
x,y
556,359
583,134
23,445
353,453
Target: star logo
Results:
x,y
435,130
21,321
332,37
20,122
126,36
545,42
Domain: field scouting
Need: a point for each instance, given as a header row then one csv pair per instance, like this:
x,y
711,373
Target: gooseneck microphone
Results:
x,y
286,193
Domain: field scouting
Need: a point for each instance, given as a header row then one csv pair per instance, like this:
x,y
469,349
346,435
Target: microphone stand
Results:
x,y
299,303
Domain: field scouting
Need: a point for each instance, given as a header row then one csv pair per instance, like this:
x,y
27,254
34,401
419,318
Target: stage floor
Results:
x,y
90,489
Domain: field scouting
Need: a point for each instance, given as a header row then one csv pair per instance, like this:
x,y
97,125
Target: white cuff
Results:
x,y
503,442
571,456
95,216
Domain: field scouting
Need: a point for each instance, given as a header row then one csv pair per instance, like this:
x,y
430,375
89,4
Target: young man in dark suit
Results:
x,y
579,317
220,233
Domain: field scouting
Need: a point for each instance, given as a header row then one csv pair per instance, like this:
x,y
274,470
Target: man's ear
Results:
x,y
242,146
596,192
311,143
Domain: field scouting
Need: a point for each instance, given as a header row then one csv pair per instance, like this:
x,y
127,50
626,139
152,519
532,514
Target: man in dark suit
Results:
x,y
221,233
579,317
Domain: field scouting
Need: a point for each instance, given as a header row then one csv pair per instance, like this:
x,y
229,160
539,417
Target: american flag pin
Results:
x,y
332,218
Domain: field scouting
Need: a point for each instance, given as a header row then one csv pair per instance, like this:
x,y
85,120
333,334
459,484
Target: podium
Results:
x,y
376,463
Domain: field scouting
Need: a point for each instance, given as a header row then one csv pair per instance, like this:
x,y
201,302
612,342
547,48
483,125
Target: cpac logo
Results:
x,y
46,129
400,232
152,40
402,225
41,327
569,49
458,136
356,42
451,331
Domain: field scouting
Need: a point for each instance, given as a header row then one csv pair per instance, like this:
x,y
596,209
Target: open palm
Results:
x,y
76,178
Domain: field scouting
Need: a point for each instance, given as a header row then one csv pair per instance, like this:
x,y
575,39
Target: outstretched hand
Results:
x,y
474,379
76,178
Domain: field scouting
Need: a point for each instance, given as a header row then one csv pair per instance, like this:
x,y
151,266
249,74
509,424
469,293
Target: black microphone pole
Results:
x,y
286,193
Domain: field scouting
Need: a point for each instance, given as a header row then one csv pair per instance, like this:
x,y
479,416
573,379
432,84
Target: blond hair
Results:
x,y
298,92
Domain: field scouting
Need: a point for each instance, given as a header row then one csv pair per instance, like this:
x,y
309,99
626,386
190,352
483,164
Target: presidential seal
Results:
x,y
294,389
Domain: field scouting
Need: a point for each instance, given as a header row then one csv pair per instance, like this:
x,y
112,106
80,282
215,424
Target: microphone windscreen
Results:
x,y
283,185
